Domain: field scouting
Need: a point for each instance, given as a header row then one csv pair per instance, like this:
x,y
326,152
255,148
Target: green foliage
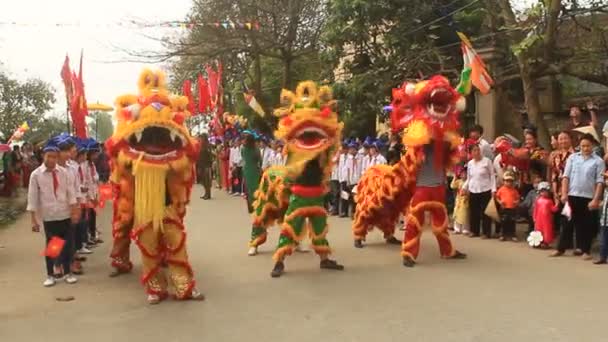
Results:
x,y
46,128
377,45
100,126
23,101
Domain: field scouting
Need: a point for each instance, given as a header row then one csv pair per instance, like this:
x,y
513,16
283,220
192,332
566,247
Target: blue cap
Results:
x,y
51,146
64,139
369,141
353,144
81,145
92,145
378,144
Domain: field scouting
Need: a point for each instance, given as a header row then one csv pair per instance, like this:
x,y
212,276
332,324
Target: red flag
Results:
x,y
204,101
213,85
54,247
78,103
187,90
66,77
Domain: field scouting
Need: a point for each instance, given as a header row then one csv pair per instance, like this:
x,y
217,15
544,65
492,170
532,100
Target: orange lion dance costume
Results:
x,y
428,112
152,156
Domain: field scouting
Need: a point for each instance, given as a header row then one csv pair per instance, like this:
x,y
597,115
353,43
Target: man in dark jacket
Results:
x,y
205,166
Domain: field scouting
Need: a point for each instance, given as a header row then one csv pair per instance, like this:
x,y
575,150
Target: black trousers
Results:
x,y
346,204
334,196
206,176
507,220
477,206
63,230
583,225
81,237
92,223
237,180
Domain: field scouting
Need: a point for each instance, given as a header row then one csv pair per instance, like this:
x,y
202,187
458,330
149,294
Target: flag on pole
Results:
x,y
251,100
253,103
19,132
66,77
78,105
479,76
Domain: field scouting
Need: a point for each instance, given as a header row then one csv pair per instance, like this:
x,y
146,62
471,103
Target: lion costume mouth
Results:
x,y
157,142
440,103
309,136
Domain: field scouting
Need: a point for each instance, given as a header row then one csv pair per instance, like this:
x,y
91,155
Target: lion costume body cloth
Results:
x,y
295,193
428,112
152,157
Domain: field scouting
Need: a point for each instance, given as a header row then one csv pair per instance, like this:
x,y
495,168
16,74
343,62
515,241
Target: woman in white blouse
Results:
x,y
481,184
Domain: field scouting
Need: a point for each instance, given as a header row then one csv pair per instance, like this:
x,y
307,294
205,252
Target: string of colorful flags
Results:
x,y
228,24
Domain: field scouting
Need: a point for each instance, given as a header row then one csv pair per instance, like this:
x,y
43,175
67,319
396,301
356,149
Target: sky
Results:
x,y
36,47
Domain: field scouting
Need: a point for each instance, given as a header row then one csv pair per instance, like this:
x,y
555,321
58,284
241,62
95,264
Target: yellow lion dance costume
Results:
x,y
152,156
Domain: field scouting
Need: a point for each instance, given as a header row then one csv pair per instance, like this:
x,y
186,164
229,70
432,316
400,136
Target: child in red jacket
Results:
x,y
544,208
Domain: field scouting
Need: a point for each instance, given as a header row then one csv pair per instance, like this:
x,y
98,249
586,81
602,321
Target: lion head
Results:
x,y
437,103
150,126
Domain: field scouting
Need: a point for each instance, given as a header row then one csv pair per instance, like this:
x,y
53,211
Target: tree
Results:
x,y
23,101
374,46
552,38
48,127
289,32
100,125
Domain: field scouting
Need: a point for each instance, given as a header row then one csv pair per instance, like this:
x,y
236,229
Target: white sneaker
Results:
x,y
71,279
50,281
85,250
252,251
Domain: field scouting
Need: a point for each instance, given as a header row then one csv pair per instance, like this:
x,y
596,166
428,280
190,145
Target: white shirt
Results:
x,y
267,154
376,160
352,167
235,156
335,170
487,149
94,178
480,176
499,170
86,181
342,172
72,167
42,198
277,159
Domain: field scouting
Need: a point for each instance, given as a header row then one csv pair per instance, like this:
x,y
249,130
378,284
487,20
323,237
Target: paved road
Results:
x,y
504,292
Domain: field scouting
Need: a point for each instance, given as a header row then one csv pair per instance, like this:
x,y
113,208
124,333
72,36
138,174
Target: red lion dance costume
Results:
x,y
152,156
428,111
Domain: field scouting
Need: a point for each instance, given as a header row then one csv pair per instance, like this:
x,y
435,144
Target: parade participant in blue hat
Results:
x,y
52,198
84,177
352,171
93,152
67,155
376,157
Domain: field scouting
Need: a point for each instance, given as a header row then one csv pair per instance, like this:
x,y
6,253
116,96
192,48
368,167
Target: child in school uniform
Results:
x,y
352,169
461,207
508,199
84,176
93,149
66,159
51,197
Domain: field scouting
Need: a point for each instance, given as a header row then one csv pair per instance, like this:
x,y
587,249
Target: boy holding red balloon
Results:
x,y
52,198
